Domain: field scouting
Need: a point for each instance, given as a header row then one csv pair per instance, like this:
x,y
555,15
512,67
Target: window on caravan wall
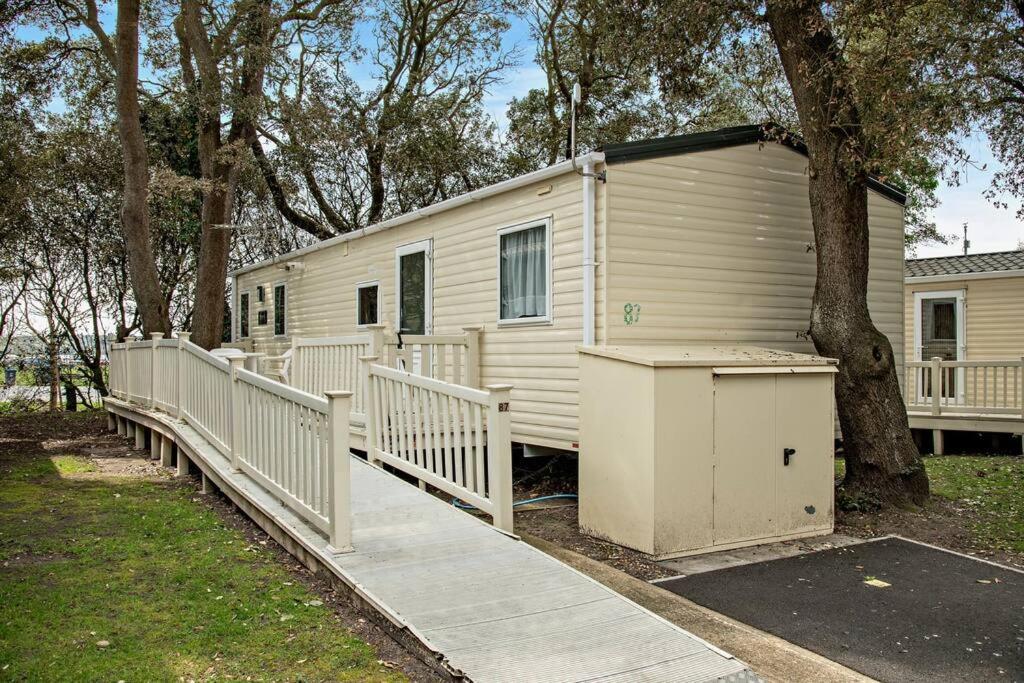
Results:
x,y
524,266
243,315
367,303
279,309
413,284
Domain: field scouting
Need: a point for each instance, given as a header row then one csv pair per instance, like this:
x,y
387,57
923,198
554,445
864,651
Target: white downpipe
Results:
x,y
235,298
589,266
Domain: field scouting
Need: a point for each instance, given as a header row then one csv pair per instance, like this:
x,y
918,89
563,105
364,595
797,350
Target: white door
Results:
x,y
939,332
414,292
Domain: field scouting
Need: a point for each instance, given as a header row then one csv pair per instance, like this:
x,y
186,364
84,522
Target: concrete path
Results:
x,y
698,564
495,608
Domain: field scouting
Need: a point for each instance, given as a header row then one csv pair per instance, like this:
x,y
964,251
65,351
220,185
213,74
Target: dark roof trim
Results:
x,y
717,139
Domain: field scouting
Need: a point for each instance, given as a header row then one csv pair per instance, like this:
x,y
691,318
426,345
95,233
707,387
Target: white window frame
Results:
x,y
248,323
364,285
427,247
548,317
960,295
273,309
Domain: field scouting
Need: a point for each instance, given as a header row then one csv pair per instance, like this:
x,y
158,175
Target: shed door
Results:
x,y
745,469
804,419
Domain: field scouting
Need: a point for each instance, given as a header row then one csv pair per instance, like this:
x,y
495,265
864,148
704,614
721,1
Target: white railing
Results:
x,y
205,398
319,364
989,387
294,444
140,371
453,437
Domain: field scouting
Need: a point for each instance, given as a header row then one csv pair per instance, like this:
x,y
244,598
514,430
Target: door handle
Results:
x,y
786,453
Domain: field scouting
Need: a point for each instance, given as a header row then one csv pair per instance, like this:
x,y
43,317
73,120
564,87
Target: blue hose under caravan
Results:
x,y
465,506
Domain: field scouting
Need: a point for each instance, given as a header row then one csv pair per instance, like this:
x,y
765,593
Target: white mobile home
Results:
x,y
693,239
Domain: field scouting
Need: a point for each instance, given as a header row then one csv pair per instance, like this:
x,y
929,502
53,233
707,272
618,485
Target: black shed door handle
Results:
x,y
786,452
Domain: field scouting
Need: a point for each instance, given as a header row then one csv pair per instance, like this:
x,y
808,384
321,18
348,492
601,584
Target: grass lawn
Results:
x,y
129,578
990,488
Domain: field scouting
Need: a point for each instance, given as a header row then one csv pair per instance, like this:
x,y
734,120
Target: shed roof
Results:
x,y
991,262
696,355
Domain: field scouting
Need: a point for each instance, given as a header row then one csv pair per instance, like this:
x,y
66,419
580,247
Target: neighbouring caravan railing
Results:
x,y
453,437
980,387
294,444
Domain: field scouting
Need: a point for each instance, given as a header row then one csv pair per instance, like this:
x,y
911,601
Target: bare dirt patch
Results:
x,y
943,523
560,526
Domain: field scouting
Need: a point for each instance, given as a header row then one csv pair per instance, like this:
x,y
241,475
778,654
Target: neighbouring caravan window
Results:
x,y
367,303
279,309
524,268
413,285
243,315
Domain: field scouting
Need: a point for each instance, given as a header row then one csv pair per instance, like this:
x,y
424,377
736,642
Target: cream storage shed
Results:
x,y
698,448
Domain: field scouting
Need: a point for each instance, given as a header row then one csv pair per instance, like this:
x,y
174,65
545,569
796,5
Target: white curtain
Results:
x,y
524,281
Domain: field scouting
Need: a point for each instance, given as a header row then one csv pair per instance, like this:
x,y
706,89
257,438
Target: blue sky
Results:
x,y
989,228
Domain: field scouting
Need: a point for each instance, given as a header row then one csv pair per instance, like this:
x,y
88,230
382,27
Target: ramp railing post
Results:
x,y
376,339
236,400
369,406
182,340
339,467
155,338
499,454
473,355
936,384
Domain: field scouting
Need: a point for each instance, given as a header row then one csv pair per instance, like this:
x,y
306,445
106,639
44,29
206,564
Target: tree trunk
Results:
x,y
212,270
53,357
135,211
881,458
375,171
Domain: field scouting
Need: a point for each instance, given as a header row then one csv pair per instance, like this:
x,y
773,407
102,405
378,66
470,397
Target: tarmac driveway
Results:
x,y
892,609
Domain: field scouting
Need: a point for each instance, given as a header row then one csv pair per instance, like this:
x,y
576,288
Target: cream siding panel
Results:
x,y
539,360
717,246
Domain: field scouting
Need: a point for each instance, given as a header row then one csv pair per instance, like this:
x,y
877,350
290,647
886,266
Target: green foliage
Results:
x,y
992,487
133,580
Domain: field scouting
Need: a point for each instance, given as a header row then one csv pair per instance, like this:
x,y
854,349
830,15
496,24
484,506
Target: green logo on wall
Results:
x,y
631,313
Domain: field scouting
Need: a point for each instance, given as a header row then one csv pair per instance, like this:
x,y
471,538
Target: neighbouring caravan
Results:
x,y
965,321
693,239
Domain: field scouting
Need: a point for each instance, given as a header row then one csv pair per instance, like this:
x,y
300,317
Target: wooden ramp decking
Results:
x,y
494,608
